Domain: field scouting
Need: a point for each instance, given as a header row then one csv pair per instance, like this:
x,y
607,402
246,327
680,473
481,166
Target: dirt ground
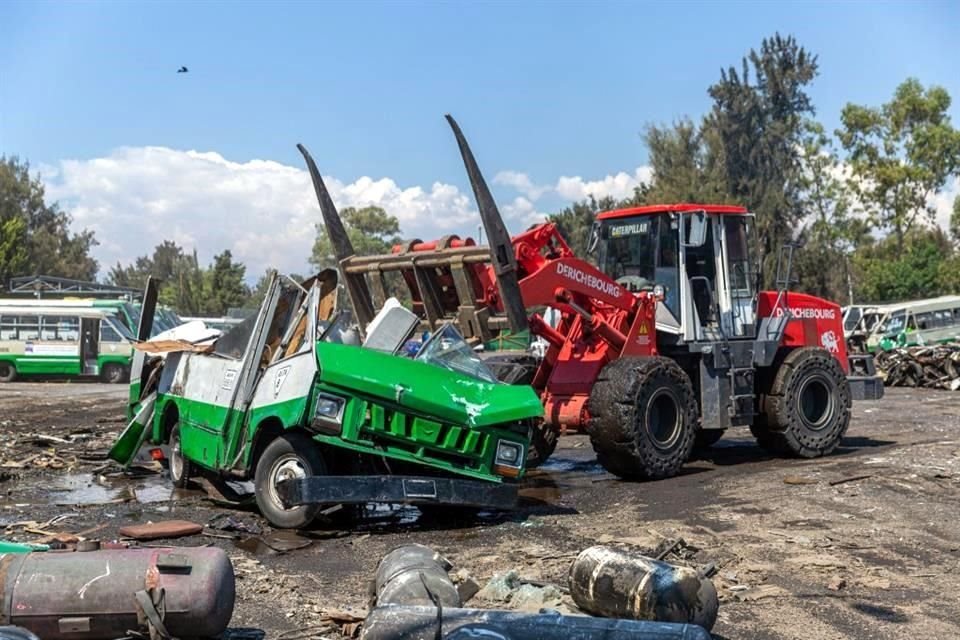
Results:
x,y
861,544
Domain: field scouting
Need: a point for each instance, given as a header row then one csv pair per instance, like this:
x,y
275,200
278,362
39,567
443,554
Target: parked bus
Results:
x,y
860,322
38,339
125,312
919,322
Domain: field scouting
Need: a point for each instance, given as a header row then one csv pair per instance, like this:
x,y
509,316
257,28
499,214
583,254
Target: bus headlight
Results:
x,y
509,458
328,413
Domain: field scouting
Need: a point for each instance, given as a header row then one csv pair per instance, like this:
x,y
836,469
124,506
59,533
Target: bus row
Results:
x,y
903,324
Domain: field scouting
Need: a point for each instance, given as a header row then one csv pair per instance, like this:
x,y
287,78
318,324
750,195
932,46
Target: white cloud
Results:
x,y
263,211
521,182
619,186
943,202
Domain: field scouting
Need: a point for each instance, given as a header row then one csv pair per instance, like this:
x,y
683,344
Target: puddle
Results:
x,y
84,488
568,465
280,541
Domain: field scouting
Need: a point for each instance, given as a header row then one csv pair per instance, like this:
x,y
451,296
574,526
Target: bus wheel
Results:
x,y
113,373
290,457
8,372
179,466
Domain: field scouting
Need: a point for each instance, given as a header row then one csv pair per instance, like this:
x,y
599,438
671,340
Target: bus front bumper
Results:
x,y
397,490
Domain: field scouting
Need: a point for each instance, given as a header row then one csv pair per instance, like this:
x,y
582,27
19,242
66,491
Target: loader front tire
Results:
x,y
807,411
289,456
643,418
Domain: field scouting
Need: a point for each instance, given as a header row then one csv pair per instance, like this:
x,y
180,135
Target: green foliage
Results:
x,y
686,164
890,272
224,285
184,285
35,237
576,221
759,127
372,231
901,154
955,220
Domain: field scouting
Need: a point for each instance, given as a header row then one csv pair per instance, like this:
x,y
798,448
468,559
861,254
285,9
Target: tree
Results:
x,y
955,220
889,271
901,154
224,285
35,237
576,221
759,128
685,164
829,233
184,287
162,265
371,230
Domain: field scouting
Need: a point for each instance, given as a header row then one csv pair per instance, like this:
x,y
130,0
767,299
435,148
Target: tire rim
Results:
x,y
815,403
664,419
176,459
113,374
287,467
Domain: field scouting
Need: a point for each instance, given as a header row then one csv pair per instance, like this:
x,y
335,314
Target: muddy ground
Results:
x,y
861,544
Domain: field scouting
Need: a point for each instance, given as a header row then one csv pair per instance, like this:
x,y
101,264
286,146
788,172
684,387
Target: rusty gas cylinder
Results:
x,y
616,583
100,595
415,575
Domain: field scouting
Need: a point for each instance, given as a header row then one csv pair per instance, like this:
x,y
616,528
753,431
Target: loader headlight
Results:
x,y
328,414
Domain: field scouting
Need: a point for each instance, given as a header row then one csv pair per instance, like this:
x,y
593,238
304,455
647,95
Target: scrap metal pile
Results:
x,y
936,367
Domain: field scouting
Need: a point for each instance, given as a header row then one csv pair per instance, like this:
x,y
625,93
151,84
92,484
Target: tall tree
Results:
x,y
224,285
575,222
955,220
184,287
901,154
830,231
758,117
371,229
686,164
35,237
161,264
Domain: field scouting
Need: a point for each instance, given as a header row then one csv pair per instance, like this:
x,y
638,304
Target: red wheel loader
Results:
x,y
667,342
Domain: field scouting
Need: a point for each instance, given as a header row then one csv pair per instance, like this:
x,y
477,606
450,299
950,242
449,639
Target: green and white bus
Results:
x,y
919,322
53,338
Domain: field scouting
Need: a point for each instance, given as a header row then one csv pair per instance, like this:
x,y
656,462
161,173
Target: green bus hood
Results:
x,y
424,388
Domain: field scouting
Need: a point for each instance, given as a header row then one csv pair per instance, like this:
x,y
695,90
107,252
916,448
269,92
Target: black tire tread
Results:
x,y
778,430
309,452
619,448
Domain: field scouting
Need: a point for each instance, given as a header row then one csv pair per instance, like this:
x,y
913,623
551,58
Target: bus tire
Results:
x,y
113,373
8,372
180,468
290,456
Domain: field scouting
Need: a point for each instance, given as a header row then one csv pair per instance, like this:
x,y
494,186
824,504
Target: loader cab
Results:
x,y
700,256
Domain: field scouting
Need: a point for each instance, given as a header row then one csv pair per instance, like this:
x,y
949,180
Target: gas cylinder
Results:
x,y
616,583
100,595
408,575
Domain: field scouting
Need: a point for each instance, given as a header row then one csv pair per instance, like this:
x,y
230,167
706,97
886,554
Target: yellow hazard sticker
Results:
x,y
643,329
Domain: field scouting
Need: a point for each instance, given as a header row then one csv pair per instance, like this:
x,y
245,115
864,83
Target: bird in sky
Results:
x,y
182,70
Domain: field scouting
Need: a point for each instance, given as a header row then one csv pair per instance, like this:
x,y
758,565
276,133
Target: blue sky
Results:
x,y
543,89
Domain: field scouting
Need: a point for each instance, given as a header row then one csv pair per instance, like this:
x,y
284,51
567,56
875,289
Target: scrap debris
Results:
x,y
936,367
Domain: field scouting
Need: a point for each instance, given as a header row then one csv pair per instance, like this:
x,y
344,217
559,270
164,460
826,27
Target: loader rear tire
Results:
x,y
290,456
643,418
807,411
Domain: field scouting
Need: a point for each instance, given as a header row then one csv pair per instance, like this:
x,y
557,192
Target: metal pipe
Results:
x,y
396,622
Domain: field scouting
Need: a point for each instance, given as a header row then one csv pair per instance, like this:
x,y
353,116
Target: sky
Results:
x,y
553,97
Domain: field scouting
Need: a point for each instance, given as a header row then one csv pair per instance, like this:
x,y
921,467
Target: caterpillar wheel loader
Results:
x,y
666,342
